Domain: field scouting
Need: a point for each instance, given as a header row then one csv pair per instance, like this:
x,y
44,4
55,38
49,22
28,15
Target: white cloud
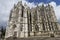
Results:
x,y
28,4
56,9
5,7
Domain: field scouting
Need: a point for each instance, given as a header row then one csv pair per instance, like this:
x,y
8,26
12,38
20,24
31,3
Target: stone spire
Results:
x,y
25,5
14,6
19,3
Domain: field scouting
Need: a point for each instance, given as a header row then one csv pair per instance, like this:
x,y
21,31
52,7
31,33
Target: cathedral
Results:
x,y
39,21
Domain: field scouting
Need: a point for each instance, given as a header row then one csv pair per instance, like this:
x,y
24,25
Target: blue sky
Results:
x,y
44,1
7,5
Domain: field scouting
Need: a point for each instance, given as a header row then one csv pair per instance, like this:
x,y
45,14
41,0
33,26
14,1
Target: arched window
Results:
x,y
22,11
52,35
21,27
15,34
14,26
36,28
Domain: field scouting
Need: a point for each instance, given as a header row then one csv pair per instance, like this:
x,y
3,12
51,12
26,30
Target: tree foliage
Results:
x,y
2,32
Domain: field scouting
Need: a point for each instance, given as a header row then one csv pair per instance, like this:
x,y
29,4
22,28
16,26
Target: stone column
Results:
x,y
25,23
20,21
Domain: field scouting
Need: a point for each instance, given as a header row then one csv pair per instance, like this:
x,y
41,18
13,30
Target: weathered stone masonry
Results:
x,y
30,22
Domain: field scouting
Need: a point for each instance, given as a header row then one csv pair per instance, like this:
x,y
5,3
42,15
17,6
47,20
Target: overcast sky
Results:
x,y
7,5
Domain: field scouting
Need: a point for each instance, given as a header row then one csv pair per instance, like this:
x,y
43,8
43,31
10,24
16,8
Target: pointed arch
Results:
x,y
14,26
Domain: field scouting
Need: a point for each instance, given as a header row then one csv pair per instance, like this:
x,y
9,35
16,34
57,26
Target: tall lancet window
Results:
x,y
36,27
21,27
30,23
56,28
43,26
14,26
15,34
10,16
22,11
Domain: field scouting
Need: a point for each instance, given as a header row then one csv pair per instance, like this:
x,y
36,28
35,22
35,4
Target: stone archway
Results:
x,y
14,26
15,35
52,35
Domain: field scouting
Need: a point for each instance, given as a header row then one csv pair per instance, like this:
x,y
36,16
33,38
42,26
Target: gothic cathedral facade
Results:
x,y
30,22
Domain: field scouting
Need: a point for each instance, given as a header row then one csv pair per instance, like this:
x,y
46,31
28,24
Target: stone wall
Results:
x,y
26,22
35,38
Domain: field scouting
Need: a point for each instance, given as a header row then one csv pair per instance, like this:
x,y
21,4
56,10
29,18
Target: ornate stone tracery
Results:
x,y
40,21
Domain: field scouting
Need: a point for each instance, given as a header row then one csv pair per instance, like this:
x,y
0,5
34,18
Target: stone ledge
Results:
x,y
34,38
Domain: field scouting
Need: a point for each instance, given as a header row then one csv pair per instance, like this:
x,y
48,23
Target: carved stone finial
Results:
x,y
20,2
42,5
48,4
14,5
25,4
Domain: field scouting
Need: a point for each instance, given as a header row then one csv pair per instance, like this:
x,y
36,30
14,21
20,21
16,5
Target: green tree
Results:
x,y
3,32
